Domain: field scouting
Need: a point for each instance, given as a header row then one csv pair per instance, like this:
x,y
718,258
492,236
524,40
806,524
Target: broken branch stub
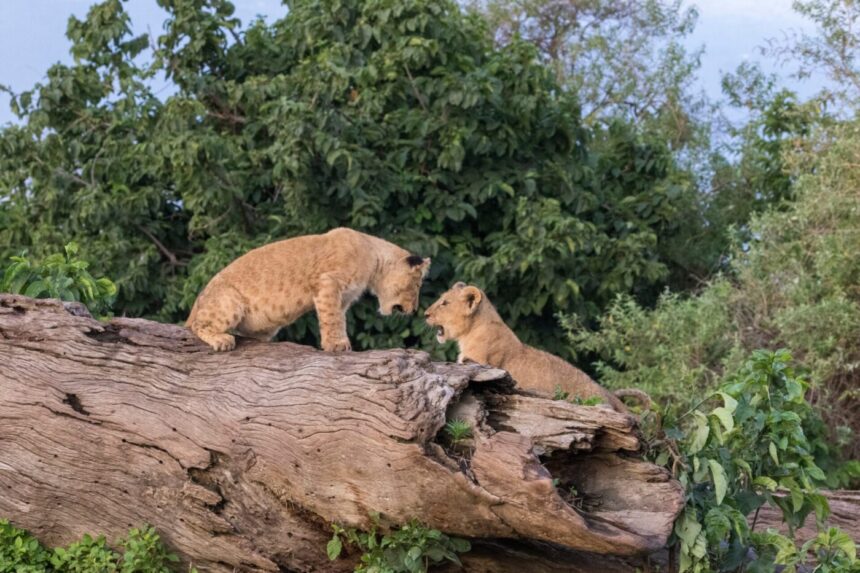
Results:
x,y
242,460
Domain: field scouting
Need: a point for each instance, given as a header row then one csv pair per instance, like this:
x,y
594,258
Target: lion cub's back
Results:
x,y
282,264
286,270
537,370
294,262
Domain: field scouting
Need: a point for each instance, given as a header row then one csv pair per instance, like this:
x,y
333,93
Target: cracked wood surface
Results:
x,y
241,460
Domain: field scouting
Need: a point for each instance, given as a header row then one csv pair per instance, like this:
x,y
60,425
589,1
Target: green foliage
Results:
x,y
833,551
670,352
559,394
411,548
59,276
143,552
458,430
830,52
20,552
793,285
749,451
398,118
624,58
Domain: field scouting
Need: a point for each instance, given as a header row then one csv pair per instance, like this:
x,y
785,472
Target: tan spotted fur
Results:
x,y
272,286
465,314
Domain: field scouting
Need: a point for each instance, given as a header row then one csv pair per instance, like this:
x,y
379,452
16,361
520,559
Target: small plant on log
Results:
x,y
412,548
560,394
458,430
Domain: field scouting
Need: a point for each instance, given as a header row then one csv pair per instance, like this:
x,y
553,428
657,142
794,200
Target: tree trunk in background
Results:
x,y
242,460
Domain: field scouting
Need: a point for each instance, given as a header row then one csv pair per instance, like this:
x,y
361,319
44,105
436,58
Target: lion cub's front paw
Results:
x,y
342,345
222,342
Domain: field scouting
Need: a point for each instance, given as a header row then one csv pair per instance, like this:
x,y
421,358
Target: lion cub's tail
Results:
x,y
644,399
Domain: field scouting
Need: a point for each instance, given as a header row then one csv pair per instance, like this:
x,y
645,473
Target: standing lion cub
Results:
x,y
273,285
464,314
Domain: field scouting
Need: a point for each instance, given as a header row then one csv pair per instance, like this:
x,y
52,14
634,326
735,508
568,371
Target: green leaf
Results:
x,y
773,455
687,528
334,547
725,417
414,553
844,543
700,434
766,482
36,289
730,403
720,480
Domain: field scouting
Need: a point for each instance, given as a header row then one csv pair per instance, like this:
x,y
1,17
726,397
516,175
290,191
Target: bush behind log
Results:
x,y
397,118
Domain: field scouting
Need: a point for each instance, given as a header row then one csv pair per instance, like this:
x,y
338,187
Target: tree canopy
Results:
x,y
398,118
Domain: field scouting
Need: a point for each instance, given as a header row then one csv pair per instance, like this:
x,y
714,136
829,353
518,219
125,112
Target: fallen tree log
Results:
x,y
243,460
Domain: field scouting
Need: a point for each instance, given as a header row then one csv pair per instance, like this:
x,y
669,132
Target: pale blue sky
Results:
x,y
32,34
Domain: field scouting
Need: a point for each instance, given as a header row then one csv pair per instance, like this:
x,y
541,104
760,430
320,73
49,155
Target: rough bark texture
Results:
x,y
241,460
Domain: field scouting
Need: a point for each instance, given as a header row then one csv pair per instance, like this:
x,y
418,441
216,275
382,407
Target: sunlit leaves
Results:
x,y
58,276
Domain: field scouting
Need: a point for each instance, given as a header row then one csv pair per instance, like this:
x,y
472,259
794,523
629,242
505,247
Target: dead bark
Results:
x,y
242,460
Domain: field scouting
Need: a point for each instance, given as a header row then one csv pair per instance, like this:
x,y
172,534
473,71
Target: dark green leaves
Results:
x,y
398,118
749,451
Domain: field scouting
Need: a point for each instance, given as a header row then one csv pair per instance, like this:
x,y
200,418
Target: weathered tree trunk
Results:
x,y
242,460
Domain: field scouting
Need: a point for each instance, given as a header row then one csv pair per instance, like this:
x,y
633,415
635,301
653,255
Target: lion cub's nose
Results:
x,y
397,308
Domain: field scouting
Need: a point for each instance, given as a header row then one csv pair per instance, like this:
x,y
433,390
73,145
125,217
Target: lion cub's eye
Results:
x,y
444,302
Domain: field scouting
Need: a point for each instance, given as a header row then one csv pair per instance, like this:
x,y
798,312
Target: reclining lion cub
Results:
x,y
272,286
464,314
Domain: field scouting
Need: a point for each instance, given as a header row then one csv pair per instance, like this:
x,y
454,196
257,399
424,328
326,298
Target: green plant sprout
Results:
x,y
458,430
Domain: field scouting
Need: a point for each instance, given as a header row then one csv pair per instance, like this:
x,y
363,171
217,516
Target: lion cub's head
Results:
x,y
453,314
398,290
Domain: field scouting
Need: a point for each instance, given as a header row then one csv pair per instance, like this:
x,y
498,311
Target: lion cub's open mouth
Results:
x,y
440,334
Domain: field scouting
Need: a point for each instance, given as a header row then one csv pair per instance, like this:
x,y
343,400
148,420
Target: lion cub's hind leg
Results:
x,y
219,311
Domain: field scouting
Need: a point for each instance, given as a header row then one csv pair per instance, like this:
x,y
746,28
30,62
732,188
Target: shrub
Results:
x,y
458,430
59,276
733,458
793,285
143,552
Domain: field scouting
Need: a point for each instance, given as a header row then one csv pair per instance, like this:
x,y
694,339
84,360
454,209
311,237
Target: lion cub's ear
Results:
x,y
418,264
472,296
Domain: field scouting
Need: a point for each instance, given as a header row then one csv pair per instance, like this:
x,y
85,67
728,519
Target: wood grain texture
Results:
x,y
242,460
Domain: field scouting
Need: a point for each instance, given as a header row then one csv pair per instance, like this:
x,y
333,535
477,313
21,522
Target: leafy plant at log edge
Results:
x,y
410,549
143,552
559,394
747,452
59,276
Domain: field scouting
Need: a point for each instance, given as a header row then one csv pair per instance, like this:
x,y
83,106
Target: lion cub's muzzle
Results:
x,y
440,330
